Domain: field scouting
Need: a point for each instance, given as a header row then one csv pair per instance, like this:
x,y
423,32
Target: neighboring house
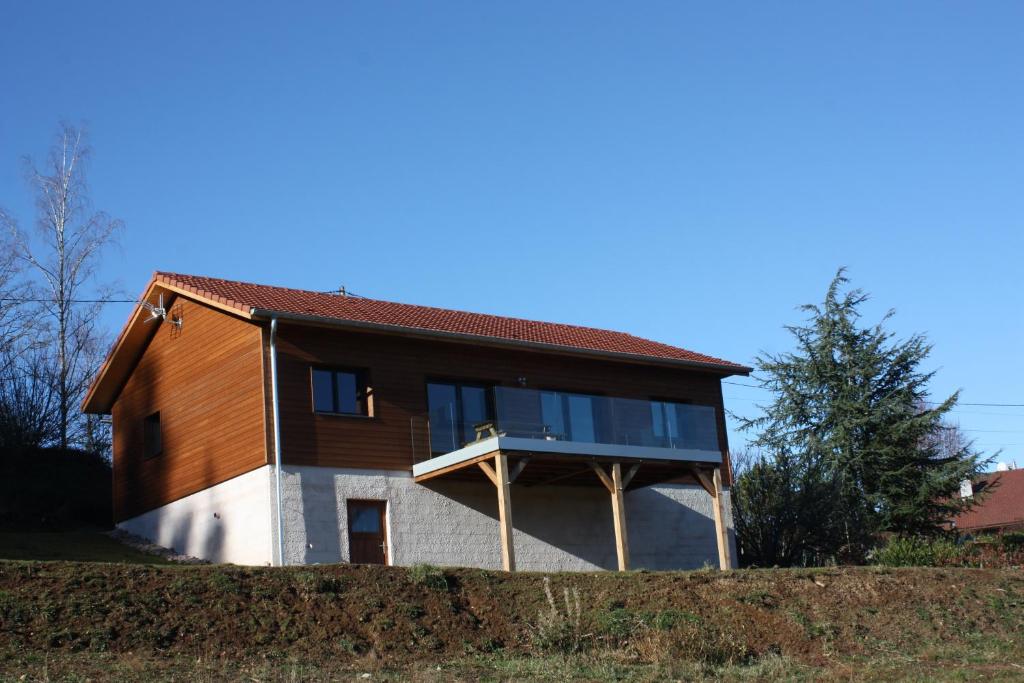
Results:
x,y
1000,505
409,434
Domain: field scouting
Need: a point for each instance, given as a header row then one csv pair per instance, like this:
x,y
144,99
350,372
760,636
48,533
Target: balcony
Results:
x,y
531,437
467,421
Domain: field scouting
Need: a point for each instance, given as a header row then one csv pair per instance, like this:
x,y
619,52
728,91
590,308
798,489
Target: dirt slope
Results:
x,y
399,616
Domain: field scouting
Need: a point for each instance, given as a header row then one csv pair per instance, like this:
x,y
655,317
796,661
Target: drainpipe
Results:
x,y
277,439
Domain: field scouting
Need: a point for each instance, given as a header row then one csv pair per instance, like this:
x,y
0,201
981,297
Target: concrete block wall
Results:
x,y
556,528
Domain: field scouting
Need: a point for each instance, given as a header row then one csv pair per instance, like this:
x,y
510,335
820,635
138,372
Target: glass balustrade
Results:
x,y
462,415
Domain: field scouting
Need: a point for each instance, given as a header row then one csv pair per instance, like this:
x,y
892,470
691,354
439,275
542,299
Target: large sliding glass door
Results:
x,y
456,409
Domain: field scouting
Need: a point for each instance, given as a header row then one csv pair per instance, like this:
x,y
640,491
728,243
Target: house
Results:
x,y
1000,505
263,425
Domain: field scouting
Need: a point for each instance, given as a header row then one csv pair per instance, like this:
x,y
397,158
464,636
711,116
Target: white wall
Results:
x,y
229,522
455,523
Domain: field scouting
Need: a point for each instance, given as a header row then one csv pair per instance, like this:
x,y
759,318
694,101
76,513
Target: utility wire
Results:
x,y
345,292
934,403
72,301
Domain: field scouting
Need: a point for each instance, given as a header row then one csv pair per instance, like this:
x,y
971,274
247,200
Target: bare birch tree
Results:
x,y
70,238
14,314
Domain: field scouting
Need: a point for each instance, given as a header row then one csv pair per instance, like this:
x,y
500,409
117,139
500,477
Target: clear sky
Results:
x,y
689,173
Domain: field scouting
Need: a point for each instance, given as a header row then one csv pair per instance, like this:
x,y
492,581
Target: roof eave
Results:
x,y
100,395
724,369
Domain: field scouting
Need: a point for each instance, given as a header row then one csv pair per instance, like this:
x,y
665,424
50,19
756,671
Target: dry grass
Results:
x,y
74,621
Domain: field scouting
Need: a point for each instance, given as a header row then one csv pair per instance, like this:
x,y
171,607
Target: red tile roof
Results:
x,y
245,296
1001,502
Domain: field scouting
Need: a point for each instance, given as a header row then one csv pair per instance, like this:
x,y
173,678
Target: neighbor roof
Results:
x,y
1000,504
250,300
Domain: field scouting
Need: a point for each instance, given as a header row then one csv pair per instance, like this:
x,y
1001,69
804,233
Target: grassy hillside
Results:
x,y
79,620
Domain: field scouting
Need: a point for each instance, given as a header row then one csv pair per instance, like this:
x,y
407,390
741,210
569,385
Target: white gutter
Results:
x,y
277,439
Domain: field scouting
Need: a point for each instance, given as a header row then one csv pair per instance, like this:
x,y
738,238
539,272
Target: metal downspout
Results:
x,y
277,440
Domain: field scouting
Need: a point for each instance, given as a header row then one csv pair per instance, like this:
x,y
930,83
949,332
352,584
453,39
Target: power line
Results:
x,y
955,408
71,301
934,403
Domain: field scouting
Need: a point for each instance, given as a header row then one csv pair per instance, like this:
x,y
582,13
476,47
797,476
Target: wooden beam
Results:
x,y
489,471
619,515
599,471
629,475
452,468
518,469
704,480
508,555
721,534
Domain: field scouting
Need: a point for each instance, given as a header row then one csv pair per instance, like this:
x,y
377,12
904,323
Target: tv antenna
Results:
x,y
159,312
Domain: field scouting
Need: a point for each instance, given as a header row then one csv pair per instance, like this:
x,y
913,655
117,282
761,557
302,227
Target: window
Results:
x,y
343,392
455,411
685,425
573,417
152,441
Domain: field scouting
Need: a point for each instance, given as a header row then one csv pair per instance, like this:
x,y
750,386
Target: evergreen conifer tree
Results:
x,y
851,436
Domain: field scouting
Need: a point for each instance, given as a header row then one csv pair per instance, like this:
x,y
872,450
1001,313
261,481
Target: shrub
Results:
x,y
559,631
917,552
430,576
1013,539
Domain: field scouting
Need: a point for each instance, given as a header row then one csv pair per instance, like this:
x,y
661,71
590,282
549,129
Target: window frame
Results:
x,y
363,389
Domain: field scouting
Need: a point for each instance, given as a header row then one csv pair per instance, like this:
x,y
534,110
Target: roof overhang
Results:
x,y
325,321
136,335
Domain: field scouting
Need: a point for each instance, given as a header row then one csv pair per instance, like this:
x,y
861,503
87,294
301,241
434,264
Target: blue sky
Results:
x,y
689,173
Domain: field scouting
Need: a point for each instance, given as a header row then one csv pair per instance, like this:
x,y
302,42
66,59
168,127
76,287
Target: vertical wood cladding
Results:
x,y
399,368
207,382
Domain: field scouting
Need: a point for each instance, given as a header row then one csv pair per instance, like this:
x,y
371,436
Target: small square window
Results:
x,y
152,440
342,392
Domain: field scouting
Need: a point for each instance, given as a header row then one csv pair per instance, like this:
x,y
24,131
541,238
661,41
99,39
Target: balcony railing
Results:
x,y
564,416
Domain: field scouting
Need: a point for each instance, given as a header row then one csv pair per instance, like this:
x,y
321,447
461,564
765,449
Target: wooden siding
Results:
x,y
206,380
399,368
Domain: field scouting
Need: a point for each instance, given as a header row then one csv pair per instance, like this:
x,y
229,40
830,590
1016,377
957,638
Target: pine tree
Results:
x,y
851,426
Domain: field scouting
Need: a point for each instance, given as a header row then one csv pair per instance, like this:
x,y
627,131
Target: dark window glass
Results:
x,y
698,427
474,411
580,411
553,415
685,425
455,411
323,391
364,519
347,393
152,439
340,391
442,404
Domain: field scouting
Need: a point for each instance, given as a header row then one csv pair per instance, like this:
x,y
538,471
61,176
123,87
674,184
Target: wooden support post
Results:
x,y
721,535
619,513
508,555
